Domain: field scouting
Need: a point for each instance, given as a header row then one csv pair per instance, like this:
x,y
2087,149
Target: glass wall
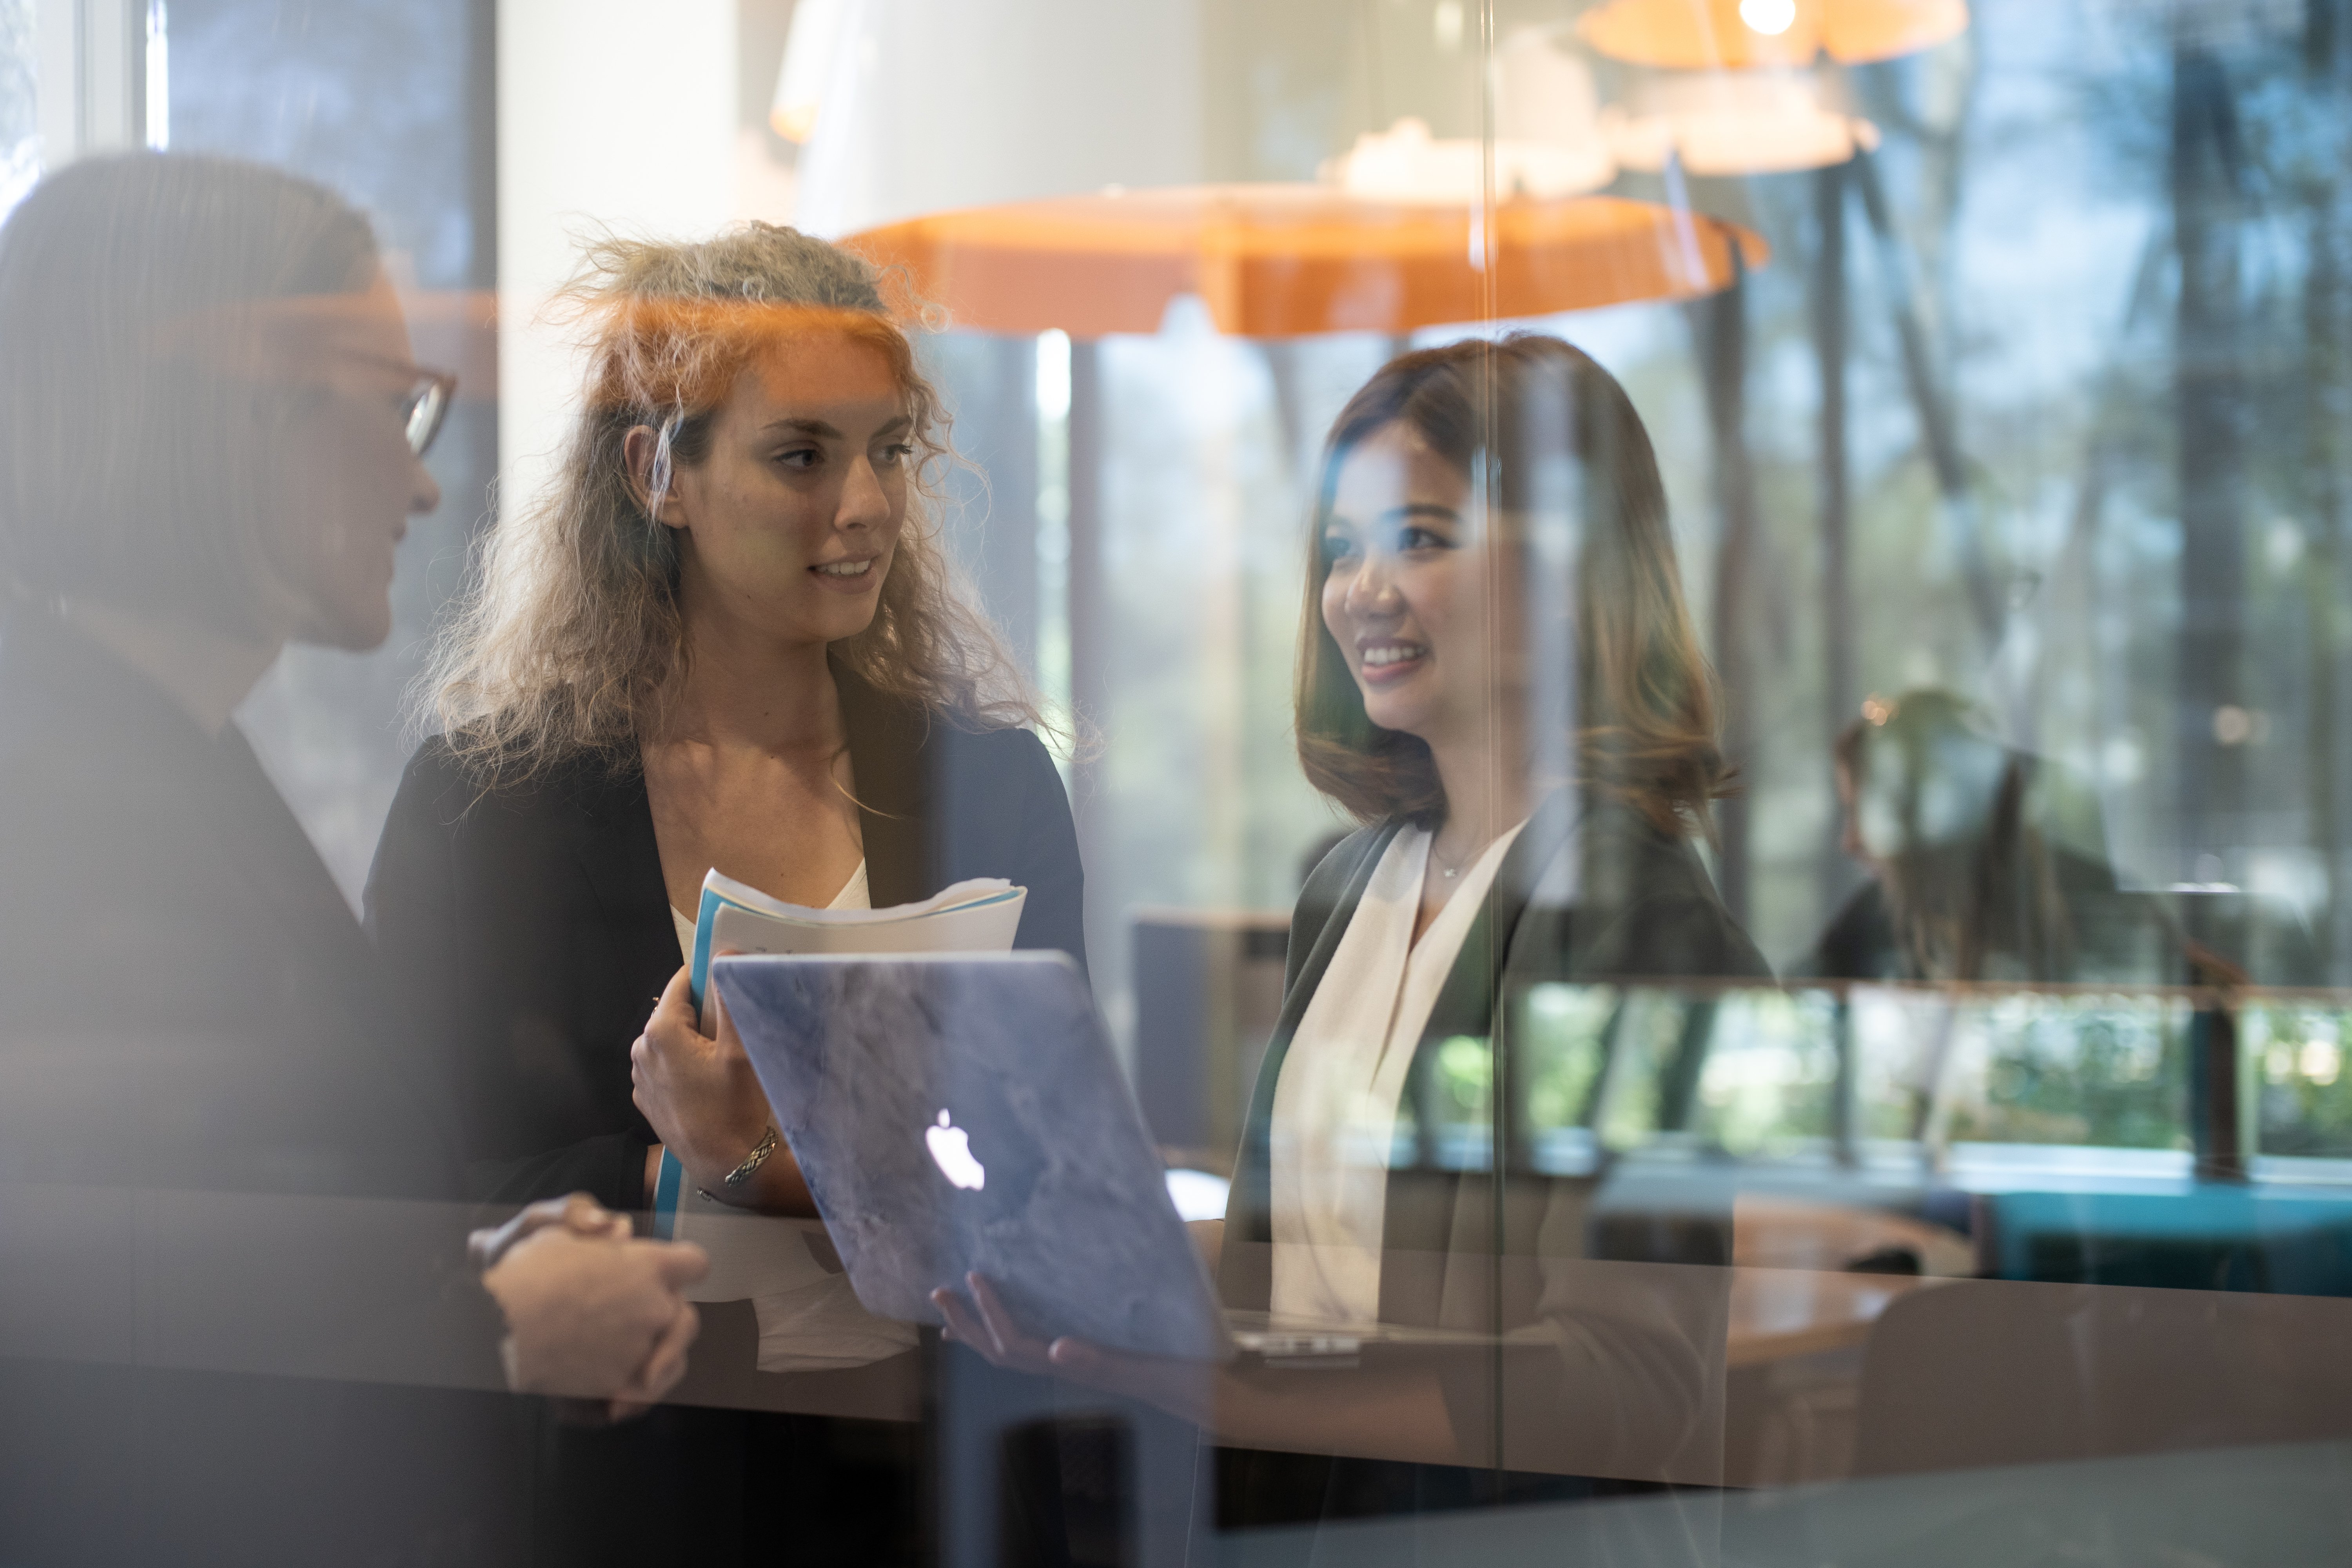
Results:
x,y
1672,673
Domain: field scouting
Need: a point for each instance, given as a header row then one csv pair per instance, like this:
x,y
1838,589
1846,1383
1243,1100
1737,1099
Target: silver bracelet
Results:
x,y
752,1161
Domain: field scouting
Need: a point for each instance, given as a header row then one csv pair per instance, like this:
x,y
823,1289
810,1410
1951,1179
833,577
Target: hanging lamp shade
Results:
x,y
1285,261
1737,87
1743,34
1405,164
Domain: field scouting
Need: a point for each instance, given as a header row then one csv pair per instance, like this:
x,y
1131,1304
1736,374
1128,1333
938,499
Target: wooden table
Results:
x,y
1781,1312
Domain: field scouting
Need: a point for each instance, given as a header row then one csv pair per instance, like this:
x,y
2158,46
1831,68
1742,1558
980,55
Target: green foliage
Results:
x,y
1770,1079
1559,1032
2106,1071
1465,1080
2295,1055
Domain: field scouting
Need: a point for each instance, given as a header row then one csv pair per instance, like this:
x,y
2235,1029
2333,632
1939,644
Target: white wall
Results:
x,y
610,112
936,104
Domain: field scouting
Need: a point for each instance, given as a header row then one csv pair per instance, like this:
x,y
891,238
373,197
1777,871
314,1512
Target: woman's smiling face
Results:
x,y
1403,595
791,519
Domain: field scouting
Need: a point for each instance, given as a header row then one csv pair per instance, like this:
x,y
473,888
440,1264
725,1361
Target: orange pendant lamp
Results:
x,y
1285,261
1746,35
1404,230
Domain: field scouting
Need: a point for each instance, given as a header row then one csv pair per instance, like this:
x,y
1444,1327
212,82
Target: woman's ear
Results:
x,y
641,450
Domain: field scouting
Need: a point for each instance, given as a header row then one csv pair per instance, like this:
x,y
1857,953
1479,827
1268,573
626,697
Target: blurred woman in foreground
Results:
x,y
1498,678
242,1320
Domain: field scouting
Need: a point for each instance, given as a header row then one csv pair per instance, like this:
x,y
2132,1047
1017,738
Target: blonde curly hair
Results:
x,y
568,640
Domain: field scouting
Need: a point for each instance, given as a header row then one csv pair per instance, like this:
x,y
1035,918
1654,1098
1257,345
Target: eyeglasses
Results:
x,y
424,406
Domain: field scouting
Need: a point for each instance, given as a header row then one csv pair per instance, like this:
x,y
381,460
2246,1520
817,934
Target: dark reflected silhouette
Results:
x,y
1986,863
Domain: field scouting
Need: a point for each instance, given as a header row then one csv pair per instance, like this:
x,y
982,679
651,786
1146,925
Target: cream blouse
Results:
x,y
1335,1105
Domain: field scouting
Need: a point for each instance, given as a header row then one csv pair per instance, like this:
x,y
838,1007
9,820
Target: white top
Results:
x,y
810,1319
853,895
1335,1105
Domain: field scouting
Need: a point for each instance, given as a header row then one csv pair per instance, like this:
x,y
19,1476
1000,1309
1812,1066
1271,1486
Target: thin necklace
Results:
x,y
1450,872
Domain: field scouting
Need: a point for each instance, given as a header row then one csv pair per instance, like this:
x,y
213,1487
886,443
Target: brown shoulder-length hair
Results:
x,y
1553,443
569,638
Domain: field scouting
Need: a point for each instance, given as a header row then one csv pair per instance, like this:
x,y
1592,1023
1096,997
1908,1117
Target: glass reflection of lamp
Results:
x,y
1393,237
1284,260
1389,240
1731,87
1548,139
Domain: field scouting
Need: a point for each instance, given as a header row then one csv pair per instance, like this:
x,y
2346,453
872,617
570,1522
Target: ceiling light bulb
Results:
x,y
1771,18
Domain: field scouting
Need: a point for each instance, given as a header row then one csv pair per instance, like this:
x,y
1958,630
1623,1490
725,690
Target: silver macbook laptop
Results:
x,y
964,1114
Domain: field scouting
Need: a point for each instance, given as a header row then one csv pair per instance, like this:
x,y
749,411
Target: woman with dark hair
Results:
x,y
1498,678
241,1324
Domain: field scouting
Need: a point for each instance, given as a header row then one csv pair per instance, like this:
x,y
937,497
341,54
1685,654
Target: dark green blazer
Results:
x,y
1619,1337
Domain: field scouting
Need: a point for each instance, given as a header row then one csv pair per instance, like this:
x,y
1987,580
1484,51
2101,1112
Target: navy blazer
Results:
x,y
532,927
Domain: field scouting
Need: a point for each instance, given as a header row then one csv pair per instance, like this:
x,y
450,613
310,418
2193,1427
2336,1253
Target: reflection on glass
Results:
x,y
1995,360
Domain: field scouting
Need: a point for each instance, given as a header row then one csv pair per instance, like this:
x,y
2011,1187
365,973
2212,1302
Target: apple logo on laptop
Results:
x,y
951,1152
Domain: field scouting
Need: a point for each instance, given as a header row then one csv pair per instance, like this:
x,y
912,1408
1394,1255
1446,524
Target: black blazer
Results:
x,y
1633,1351
199,1066
533,928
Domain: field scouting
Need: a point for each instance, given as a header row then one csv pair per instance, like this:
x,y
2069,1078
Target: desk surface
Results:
x,y
1781,1312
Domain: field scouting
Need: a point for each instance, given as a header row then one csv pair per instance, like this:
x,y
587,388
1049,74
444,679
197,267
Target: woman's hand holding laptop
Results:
x,y
1391,1415
1183,1388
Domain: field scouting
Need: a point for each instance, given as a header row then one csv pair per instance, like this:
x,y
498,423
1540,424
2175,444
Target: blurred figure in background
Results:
x,y
1988,863
1979,855
240,1321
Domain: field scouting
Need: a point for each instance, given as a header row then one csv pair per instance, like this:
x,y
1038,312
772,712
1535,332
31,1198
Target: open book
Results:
x,y
977,916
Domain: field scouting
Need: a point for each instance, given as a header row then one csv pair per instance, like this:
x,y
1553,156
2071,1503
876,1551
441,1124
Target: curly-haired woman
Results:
x,y
725,637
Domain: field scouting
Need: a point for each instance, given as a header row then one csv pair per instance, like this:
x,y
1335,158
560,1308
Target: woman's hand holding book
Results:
x,y
700,1094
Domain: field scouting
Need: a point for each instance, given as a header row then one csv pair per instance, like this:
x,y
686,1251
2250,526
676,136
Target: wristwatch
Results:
x,y
741,1174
